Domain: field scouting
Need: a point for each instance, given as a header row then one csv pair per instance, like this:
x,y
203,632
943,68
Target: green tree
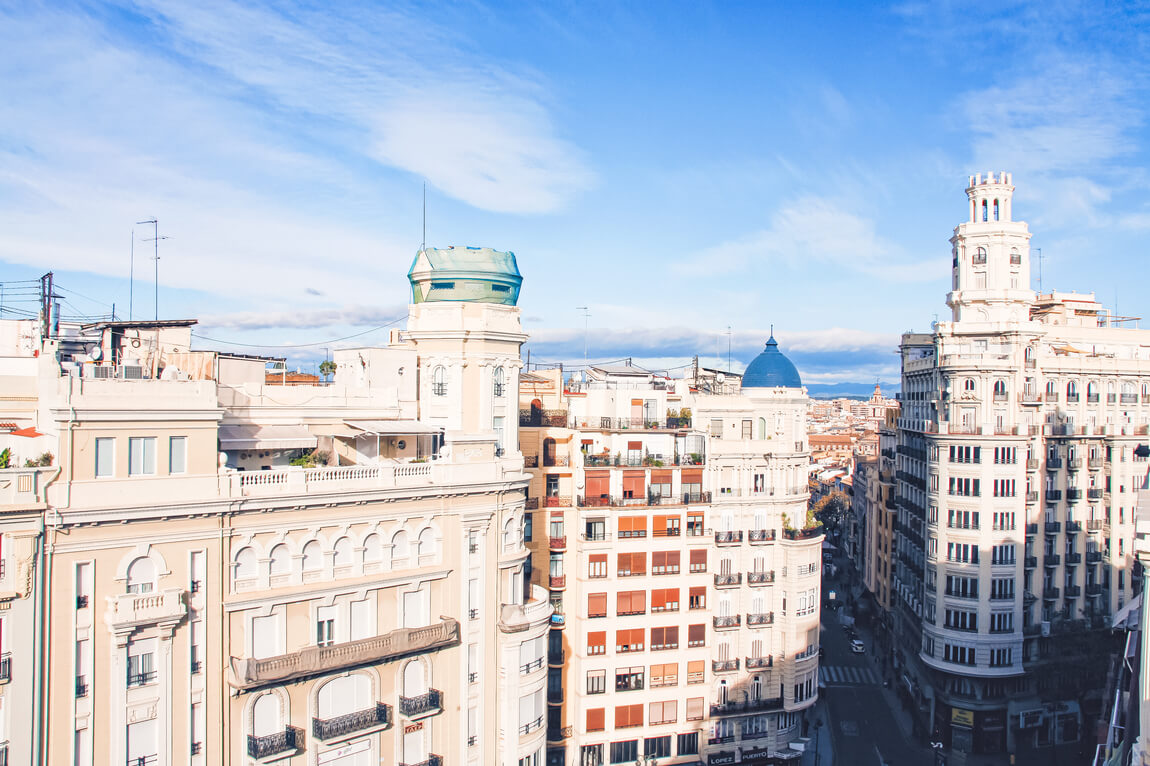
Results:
x,y
326,369
832,510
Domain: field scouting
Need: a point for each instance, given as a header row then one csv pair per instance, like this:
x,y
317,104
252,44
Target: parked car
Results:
x,y
857,646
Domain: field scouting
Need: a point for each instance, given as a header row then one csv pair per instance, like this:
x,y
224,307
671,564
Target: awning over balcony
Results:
x,y
394,427
248,436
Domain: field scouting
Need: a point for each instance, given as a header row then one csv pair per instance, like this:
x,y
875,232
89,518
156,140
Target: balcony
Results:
x,y
1031,464
530,461
1050,593
425,704
1072,398
557,582
760,662
761,536
728,538
5,668
728,580
250,673
554,501
130,610
760,578
1073,494
1093,590
1053,463
760,618
1051,560
531,504
724,666
1073,591
340,726
802,534
1052,527
1094,494
1030,562
1073,527
1094,463
726,621
746,706
1032,528
555,461
1053,495
1093,557
1051,396
288,740
535,725
432,760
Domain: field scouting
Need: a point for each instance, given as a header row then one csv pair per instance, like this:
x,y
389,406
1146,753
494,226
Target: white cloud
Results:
x,y
814,231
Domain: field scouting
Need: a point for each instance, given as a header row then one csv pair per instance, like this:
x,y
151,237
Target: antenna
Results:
x,y
423,244
156,257
1039,249
729,345
131,271
586,313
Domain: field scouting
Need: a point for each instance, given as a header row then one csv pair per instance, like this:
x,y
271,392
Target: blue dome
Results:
x,y
770,369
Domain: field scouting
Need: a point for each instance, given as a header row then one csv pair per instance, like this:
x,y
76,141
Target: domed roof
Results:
x,y
770,369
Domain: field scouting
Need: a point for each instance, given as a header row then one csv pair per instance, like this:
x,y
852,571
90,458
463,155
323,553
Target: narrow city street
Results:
x,y
857,708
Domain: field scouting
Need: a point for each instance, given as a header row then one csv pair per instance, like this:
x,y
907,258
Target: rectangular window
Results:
x,y
596,719
596,605
631,640
629,679
596,681
697,598
178,454
625,752
665,638
597,642
627,716
632,526
665,562
632,564
696,635
659,747
694,708
325,625
105,457
141,662
695,670
698,560
142,455
689,743
666,674
597,565
665,600
630,602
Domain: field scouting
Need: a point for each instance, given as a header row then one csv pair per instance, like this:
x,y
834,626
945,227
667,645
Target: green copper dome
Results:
x,y
470,274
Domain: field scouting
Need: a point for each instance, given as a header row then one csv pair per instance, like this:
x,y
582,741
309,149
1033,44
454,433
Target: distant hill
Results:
x,y
848,390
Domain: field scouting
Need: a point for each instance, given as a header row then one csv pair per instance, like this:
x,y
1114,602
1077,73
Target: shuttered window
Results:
x,y
631,602
695,709
597,565
695,670
665,638
632,526
697,635
598,484
632,564
634,484
666,674
666,526
596,604
628,715
699,560
630,640
597,642
662,712
697,598
665,600
596,719
665,562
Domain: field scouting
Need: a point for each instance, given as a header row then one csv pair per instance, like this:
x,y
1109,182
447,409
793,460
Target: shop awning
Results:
x,y
394,427
252,436
1128,616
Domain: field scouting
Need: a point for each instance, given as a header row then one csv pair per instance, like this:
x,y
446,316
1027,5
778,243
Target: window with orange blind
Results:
x,y
598,484
596,719
692,479
597,565
596,605
665,600
661,482
597,642
695,526
697,635
662,712
697,598
630,640
627,716
634,484
665,638
666,526
666,674
695,671
699,560
632,526
630,602
694,708
665,562
632,564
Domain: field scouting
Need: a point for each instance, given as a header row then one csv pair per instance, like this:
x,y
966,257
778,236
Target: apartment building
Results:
x,y
1016,479
670,526
232,572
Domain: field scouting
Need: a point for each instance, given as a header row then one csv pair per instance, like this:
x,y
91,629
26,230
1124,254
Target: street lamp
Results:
x,y
645,760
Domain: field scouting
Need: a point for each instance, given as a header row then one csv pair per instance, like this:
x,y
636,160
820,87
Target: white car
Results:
x,y
857,646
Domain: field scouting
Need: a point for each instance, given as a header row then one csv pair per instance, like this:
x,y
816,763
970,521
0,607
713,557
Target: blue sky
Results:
x,y
680,168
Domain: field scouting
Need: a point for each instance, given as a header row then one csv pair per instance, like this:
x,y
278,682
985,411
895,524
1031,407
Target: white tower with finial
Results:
x,y
990,257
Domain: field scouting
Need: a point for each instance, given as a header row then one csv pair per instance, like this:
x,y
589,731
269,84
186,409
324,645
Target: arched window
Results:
x,y
996,210
439,381
344,695
343,552
499,382
1050,387
980,257
312,557
266,716
762,428
1092,391
757,688
247,566
1072,390
372,548
968,385
400,549
724,692
1000,389
428,548
414,679
984,211
281,560
1015,257
141,576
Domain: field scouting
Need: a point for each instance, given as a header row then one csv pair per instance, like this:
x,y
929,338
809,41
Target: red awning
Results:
x,y
30,432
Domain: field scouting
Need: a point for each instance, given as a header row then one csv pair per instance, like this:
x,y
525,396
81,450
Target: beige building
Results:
x,y
667,523
1016,492
236,573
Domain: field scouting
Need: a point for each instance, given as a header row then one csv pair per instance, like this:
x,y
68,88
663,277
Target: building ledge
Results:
x,y
130,610
250,673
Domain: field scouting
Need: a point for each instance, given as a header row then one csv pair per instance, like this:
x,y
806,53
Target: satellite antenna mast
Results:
x,y
423,244
131,272
586,313
156,257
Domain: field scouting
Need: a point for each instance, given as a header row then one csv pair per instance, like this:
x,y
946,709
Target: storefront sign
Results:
x,y
718,759
960,717
1029,719
413,727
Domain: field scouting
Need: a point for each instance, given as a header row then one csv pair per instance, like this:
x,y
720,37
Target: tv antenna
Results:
x,y
423,243
1039,250
586,314
156,256
729,347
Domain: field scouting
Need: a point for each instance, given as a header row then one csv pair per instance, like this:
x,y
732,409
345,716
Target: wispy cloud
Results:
x,y
813,231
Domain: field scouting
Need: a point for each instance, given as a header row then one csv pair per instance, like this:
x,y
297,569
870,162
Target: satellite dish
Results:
x,y
95,352
720,377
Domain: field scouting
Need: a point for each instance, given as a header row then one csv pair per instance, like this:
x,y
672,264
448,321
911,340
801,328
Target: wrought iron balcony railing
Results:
x,y
330,728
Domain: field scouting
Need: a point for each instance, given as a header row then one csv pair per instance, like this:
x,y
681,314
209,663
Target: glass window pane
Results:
x,y
178,454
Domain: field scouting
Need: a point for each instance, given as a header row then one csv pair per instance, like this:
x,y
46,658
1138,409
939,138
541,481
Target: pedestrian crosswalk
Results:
x,y
848,675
